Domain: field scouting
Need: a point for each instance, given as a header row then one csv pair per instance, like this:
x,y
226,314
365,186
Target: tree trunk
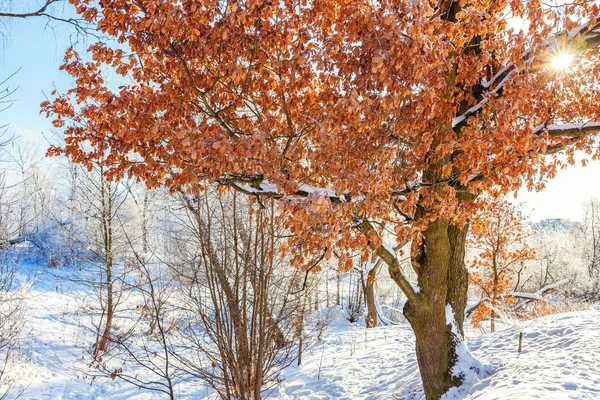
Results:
x,y
369,289
106,198
300,326
102,345
371,321
437,314
337,293
436,350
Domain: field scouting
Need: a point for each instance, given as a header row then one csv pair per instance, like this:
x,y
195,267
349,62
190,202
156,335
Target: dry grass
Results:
x,y
542,308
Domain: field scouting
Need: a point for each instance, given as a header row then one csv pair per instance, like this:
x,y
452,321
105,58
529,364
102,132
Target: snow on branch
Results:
x,y
526,297
540,293
269,190
534,59
568,130
30,237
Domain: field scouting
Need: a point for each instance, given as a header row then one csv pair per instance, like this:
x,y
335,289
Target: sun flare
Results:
x,y
562,61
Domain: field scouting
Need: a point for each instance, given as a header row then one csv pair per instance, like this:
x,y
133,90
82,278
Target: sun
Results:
x,y
562,61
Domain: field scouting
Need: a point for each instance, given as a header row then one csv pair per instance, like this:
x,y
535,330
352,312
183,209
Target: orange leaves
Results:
x,y
219,147
349,97
328,254
345,263
53,151
499,238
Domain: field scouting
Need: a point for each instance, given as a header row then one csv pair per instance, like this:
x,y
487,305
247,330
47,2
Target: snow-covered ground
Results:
x,y
560,359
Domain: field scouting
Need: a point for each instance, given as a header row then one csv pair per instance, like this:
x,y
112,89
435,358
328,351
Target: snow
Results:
x,y
458,120
263,188
271,189
56,346
560,359
573,130
303,187
539,295
416,287
477,107
576,31
467,366
389,248
498,74
524,295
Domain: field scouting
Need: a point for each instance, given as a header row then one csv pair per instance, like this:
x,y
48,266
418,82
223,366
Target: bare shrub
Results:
x,y
12,308
239,302
539,309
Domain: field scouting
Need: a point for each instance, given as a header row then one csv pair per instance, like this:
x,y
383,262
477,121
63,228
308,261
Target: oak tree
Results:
x,y
366,119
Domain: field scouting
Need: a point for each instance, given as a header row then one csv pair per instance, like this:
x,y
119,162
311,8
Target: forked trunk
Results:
x,y
438,312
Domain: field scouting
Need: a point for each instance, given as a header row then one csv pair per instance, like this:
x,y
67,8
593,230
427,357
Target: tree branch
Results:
x,y
569,130
533,60
79,24
388,256
38,13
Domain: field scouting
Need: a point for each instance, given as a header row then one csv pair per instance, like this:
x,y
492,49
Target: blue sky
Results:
x,y
38,49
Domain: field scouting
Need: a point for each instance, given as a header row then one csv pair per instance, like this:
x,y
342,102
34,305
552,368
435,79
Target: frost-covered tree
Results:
x,y
591,239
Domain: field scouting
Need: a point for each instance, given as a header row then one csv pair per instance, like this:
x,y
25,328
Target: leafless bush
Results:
x,y
12,307
239,301
142,346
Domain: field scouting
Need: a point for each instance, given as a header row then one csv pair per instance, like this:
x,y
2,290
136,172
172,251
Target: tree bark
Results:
x,y
106,198
458,276
439,262
337,293
369,289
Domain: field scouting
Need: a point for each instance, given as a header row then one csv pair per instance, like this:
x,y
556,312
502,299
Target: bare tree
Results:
x,y
13,292
369,276
143,354
591,239
100,233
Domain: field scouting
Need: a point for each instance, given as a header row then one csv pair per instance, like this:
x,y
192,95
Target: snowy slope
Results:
x,y
560,359
56,365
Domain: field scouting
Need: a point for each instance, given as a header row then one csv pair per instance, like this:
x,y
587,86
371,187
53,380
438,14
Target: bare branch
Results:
x,y
79,23
392,262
